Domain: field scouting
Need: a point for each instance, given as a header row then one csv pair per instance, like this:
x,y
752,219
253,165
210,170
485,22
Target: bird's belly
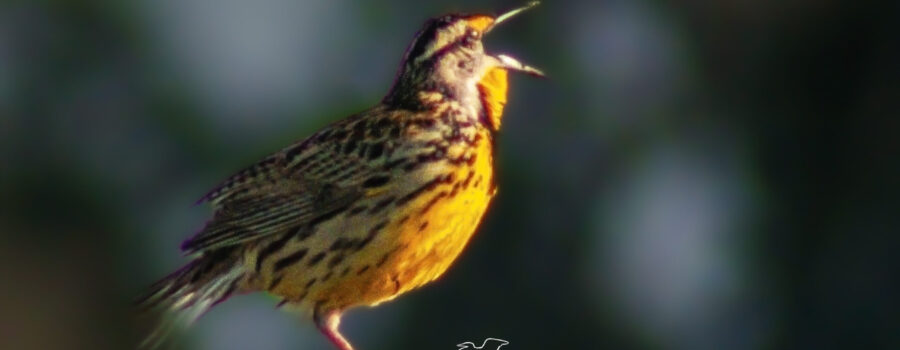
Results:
x,y
417,246
420,240
435,234
402,236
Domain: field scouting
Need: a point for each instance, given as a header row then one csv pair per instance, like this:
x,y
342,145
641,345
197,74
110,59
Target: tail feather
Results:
x,y
185,295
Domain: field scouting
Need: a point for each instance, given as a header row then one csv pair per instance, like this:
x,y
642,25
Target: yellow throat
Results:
x,y
493,86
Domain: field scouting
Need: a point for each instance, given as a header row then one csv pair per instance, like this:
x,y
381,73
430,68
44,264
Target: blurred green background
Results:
x,y
694,175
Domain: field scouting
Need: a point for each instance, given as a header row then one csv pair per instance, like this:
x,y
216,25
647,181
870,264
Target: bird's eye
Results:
x,y
471,38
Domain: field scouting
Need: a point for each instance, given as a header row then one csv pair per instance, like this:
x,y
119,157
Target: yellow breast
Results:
x,y
441,223
493,88
423,236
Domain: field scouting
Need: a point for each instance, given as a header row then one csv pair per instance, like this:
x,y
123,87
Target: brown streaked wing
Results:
x,y
267,214
245,180
274,195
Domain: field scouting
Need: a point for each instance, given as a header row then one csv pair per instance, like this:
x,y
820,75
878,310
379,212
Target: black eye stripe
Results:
x,y
440,53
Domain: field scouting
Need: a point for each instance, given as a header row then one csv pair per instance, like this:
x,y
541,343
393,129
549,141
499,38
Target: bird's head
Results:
x,y
447,57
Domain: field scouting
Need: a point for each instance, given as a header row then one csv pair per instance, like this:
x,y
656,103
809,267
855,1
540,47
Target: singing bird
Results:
x,y
367,208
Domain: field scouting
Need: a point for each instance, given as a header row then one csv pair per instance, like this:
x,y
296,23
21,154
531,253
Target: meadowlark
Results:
x,y
367,208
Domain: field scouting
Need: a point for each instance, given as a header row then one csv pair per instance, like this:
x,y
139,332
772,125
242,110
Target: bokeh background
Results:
x,y
694,174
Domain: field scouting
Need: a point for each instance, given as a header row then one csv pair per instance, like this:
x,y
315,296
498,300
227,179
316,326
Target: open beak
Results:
x,y
514,64
509,14
503,60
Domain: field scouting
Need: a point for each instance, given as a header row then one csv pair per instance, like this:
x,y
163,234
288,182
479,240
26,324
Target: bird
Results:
x,y
495,342
367,208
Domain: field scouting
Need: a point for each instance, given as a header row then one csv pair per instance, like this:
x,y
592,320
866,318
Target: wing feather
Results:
x,y
277,195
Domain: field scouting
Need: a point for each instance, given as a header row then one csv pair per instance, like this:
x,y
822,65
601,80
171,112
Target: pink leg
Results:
x,y
328,325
